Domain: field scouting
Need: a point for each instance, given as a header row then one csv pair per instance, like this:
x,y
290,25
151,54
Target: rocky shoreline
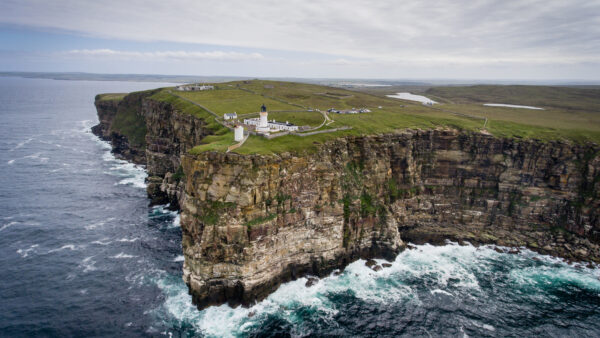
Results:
x,y
252,222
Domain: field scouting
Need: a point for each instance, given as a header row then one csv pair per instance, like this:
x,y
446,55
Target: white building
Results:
x,y
238,133
230,116
191,88
263,125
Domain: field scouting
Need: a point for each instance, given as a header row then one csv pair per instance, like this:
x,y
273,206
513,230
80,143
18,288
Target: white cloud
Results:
x,y
356,33
163,55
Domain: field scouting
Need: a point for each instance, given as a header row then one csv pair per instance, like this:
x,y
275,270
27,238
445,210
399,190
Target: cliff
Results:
x,y
251,222
123,125
153,133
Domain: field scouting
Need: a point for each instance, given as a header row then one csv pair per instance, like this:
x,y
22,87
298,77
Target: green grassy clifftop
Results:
x,y
569,113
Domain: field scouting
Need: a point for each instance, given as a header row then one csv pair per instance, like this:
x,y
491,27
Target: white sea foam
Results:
x,y
161,210
447,269
21,144
179,258
128,239
130,174
96,224
438,291
37,156
25,252
87,264
412,97
11,162
8,225
71,247
122,255
176,222
511,106
101,243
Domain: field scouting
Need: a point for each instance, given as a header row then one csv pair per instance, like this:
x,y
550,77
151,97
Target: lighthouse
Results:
x,y
263,123
238,133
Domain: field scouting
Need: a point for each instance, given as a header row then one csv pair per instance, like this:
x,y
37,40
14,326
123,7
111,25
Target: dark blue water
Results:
x,y
81,254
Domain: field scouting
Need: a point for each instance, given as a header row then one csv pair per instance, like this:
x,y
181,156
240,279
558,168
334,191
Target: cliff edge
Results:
x,y
251,222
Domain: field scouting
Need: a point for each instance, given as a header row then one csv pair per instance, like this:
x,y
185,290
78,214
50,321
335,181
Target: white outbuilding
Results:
x,y
238,133
230,116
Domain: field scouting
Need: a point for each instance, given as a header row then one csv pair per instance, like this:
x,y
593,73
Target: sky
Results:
x,y
384,39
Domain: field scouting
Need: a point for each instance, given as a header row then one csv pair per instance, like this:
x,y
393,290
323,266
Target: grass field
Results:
x,y
110,97
570,113
231,100
559,98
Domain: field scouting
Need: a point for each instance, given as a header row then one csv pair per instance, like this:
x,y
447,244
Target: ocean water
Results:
x,y
82,254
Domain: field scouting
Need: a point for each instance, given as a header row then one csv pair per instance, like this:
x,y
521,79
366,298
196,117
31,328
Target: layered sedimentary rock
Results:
x,y
250,222
167,134
170,134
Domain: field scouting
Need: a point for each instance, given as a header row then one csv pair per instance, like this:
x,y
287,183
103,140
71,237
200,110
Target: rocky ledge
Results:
x,y
251,222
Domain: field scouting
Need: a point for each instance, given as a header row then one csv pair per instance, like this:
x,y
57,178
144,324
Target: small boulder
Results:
x,y
311,281
386,265
370,263
377,268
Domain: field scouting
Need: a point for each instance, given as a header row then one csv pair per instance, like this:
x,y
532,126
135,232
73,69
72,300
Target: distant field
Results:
x,y
570,113
560,98
229,100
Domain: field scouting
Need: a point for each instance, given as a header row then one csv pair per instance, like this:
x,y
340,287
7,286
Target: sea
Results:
x,y
83,255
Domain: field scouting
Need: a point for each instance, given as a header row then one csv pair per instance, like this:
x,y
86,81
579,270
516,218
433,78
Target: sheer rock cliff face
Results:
x,y
168,135
251,222
121,147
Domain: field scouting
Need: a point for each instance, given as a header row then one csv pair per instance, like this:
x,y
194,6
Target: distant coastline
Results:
x,y
336,82
76,76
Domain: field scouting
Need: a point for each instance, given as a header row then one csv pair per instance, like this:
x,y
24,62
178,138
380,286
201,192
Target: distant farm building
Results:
x,y
230,116
192,88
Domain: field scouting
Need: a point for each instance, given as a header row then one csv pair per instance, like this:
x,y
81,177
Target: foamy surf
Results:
x,y
71,247
123,255
160,211
446,273
130,174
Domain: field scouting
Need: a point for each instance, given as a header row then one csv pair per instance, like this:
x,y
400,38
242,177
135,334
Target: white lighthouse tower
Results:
x,y
263,123
238,133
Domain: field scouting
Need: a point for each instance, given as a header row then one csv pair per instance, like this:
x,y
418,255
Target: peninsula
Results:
x,y
291,202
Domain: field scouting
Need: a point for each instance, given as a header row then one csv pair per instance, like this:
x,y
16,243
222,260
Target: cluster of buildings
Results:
x,y
193,87
350,111
261,124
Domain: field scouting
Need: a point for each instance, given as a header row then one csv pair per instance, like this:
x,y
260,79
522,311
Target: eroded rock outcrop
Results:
x,y
150,132
252,222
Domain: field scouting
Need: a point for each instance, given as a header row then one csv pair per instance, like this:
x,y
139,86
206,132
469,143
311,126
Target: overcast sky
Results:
x,y
396,39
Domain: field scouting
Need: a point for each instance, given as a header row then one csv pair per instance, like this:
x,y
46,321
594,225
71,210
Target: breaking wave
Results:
x,y
439,279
